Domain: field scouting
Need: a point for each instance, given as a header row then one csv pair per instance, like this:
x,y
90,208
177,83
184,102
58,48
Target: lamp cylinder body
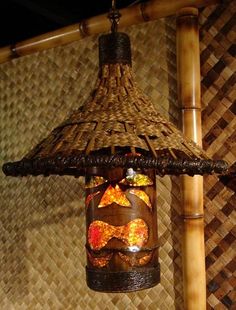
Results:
x,y
121,220
188,67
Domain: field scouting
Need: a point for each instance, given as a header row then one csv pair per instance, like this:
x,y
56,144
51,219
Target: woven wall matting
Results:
x,y
218,68
42,256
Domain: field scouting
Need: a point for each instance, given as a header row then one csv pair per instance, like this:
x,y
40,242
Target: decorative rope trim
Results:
x,y
75,165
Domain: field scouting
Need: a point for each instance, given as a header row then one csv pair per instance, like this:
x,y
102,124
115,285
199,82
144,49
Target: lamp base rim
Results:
x,y
123,281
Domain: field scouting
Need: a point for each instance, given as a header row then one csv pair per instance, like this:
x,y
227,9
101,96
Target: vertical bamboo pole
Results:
x,y
188,68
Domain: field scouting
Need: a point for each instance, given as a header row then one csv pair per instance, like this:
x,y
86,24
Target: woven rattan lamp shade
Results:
x,y
117,119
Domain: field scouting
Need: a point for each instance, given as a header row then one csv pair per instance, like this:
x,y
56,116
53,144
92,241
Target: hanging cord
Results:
x,y
114,16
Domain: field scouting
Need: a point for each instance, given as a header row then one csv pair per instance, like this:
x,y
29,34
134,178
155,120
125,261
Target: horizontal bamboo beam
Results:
x,y
136,14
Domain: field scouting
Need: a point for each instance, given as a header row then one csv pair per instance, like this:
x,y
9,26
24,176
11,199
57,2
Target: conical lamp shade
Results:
x,y
117,119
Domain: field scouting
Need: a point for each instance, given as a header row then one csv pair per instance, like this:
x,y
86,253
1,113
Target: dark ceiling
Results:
x,y
22,19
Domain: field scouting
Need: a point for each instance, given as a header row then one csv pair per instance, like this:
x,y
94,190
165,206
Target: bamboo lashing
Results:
x,y
136,14
188,73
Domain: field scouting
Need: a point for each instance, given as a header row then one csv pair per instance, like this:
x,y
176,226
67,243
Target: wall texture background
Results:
x,y
42,224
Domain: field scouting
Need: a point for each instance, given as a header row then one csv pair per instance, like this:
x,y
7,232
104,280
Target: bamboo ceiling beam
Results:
x,y
136,14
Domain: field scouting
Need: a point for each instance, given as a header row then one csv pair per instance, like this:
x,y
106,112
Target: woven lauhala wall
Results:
x,y
42,256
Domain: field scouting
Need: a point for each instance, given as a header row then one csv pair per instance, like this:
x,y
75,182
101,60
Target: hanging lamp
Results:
x,y
119,142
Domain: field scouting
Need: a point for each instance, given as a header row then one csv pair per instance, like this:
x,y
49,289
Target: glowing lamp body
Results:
x,y
121,218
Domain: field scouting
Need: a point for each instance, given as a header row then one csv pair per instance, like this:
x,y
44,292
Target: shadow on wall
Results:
x,y
41,218
176,234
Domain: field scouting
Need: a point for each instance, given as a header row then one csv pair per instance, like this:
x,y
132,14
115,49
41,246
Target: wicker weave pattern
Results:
x,y
116,99
218,69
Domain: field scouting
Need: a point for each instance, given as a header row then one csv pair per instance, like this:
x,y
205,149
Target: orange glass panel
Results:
x,y
114,195
135,261
99,262
142,195
95,181
137,179
135,233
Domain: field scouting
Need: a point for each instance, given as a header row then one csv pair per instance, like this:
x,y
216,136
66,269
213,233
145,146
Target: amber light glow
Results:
x,y
95,181
134,261
136,179
141,195
114,195
99,262
135,233
121,228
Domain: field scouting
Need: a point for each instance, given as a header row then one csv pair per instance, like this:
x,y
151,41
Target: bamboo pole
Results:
x,y
188,71
136,14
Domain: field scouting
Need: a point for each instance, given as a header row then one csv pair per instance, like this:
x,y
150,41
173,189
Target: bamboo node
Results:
x,y
187,11
193,216
83,29
144,14
14,51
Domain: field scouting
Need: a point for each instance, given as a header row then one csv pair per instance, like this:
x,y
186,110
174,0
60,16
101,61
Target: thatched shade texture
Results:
x,y
117,119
